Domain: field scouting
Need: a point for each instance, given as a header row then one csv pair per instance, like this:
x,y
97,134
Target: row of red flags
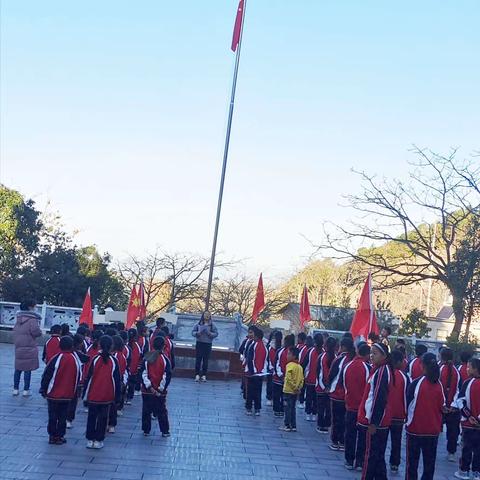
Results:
x,y
364,320
137,309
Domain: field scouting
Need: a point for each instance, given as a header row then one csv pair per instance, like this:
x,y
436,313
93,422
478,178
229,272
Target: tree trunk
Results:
x,y
459,312
469,319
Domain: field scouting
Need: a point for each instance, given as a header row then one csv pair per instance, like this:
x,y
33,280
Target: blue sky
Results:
x,y
115,111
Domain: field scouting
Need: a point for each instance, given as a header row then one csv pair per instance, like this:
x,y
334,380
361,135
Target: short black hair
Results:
x,y
401,341
158,342
347,335
258,333
111,331
373,336
66,343
294,351
301,337
465,356
160,322
77,340
165,329
363,349
420,349
289,340
387,329
55,329
27,304
397,357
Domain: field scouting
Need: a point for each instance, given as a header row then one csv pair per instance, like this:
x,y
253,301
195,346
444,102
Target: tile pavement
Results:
x,y
211,439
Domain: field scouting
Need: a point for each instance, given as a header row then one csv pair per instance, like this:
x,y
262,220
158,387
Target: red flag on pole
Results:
x,y
133,308
259,300
237,29
87,314
304,309
364,320
142,310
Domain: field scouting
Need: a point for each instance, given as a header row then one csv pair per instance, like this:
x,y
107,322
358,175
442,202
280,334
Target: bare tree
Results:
x,y
408,232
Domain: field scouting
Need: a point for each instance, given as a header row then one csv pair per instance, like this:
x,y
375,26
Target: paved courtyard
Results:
x,y
211,439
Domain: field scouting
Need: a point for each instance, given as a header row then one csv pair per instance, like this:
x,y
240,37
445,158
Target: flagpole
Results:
x,y
224,165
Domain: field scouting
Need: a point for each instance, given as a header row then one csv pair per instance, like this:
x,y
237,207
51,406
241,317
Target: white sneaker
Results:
x,y
85,410
308,418
26,393
301,405
137,393
15,392
90,444
462,474
98,445
69,424
197,378
204,378
451,457
111,429
269,403
119,413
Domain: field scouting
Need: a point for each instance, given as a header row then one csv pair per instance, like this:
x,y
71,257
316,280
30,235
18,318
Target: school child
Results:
x,y
373,338
309,365
274,343
293,383
397,400
59,386
279,368
52,345
82,359
243,350
85,343
337,393
256,370
92,351
469,404
156,377
323,399
415,369
169,348
119,355
160,323
450,380
134,365
425,405
401,347
465,357
65,330
374,413
302,349
102,388
355,377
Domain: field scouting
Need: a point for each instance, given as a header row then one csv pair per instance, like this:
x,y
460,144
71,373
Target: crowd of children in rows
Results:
x,y
106,369
363,392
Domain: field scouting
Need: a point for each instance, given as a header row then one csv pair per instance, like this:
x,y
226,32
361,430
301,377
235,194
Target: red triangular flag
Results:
x,y
237,29
133,308
259,300
364,320
142,310
87,314
304,309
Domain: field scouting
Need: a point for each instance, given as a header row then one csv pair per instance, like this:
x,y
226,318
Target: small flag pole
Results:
x,y
225,158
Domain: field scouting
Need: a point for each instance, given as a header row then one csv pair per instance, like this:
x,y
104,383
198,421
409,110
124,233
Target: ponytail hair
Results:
x,y
430,367
106,344
446,355
318,339
475,363
330,346
348,346
278,337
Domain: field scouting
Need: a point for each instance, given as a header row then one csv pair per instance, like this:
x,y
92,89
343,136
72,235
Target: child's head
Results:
x,y
132,334
420,350
347,335
118,343
397,359
289,341
55,330
124,335
309,342
65,329
159,343
363,350
96,335
111,331
258,334
473,367
278,337
160,322
66,344
465,356
331,345
82,331
165,330
318,341
292,355
301,337
106,343
78,341
251,332
373,338
347,346
379,354
386,331
431,370
446,354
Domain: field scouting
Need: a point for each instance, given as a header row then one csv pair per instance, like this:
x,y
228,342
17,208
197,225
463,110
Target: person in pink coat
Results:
x,y
25,333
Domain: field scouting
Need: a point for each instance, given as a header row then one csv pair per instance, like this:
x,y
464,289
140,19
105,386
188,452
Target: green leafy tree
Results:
x,y
416,322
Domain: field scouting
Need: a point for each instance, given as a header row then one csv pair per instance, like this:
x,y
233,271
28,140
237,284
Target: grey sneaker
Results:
x,y
90,444
15,392
451,457
98,445
204,378
462,474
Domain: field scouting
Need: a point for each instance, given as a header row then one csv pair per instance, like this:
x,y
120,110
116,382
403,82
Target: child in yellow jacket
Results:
x,y
291,388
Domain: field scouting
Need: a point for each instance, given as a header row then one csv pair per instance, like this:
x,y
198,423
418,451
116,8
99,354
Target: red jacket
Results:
x,y
309,365
51,348
302,352
122,365
280,366
61,377
462,370
335,377
103,383
322,374
156,373
135,358
469,402
450,380
247,342
272,351
257,359
415,369
425,401
355,377
374,408
92,352
398,396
